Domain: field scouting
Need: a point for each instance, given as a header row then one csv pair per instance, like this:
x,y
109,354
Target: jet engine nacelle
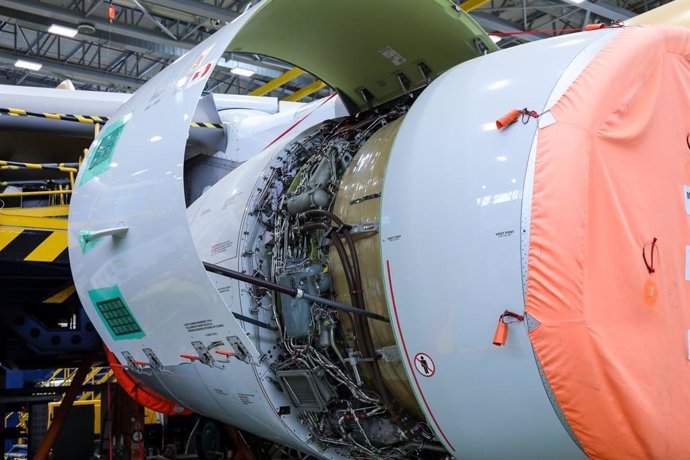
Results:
x,y
565,229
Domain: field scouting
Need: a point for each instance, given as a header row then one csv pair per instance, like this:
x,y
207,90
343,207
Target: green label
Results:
x,y
115,313
86,245
101,154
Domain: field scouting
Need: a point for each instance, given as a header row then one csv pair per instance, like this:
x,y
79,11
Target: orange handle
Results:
x,y
189,357
508,119
501,334
225,353
595,26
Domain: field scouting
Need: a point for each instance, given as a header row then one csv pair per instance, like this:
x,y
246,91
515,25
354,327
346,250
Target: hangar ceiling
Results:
x,y
146,35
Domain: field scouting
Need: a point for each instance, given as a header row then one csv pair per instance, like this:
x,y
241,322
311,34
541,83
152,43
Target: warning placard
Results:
x,y
424,364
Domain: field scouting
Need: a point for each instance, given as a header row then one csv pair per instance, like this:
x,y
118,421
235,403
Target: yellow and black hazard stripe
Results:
x,y
28,245
207,125
64,167
90,119
61,295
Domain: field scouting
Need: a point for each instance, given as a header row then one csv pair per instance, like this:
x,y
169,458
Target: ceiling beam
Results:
x,y
32,13
74,71
36,15
492,22
43,10
197,8
605,10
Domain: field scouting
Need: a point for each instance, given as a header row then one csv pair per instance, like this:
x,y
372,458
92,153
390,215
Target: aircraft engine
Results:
x,y
417,280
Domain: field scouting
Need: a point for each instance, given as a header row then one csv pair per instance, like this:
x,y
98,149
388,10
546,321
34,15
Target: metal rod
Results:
x,y
292,292
255,322
34,182
64,167
156,21
47,192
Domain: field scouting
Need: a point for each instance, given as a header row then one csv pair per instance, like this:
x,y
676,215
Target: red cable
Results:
x,y
300,121
541,31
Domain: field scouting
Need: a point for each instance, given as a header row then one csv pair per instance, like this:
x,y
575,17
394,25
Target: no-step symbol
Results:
x,y
424,364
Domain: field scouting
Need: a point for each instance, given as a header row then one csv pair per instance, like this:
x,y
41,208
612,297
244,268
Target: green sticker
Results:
x,y
115,313
101,154
86,245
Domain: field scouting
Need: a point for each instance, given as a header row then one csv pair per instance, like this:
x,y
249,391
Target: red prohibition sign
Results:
x,y
424,365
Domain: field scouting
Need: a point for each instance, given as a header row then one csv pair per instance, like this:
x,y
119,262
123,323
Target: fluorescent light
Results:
x,y
64,31
243,72
576,1
28,65
495,38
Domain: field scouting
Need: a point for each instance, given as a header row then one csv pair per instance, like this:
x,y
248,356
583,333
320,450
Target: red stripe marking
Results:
x,y
299,121
407,355
207,68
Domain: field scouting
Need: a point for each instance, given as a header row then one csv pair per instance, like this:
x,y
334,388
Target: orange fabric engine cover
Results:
x,y
609,178
142,394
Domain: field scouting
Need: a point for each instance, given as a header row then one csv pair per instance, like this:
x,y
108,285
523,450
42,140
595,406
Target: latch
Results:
x,y
134,365
154,362
239,351
365,227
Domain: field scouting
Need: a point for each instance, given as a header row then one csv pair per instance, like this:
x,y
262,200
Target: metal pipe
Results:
x,y
156,21
64,167
358,323
368,343
47,192
45,182
255,322
434,447
292,292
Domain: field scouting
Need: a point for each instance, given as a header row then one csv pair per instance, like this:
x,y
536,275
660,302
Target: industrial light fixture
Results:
x,y
86,28
62,30
495,38
576,1
242,72
28,64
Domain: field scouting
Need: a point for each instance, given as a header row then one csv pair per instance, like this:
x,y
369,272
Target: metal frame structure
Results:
x,y
147,35
143,38
549,18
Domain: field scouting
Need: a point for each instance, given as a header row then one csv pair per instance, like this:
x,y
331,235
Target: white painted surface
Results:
x,y
156,266
250,131
53,100
451,235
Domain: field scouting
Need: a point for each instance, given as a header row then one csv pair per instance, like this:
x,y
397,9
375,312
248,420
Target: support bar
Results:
x,y
249,320
292,292
47,192
64,167
306,91
471,5
280,81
